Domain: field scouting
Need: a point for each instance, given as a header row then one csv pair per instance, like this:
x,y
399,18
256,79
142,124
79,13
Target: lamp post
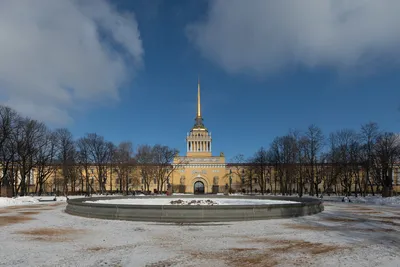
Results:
x,y
230,180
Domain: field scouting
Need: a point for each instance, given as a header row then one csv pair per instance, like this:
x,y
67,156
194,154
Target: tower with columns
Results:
x,y
199,171
198,140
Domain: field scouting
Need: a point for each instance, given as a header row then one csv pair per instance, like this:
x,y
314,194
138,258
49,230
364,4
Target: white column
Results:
x,y
210,147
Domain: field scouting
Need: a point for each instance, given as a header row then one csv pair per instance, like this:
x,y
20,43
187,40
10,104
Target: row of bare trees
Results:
x,y
29,148
346,161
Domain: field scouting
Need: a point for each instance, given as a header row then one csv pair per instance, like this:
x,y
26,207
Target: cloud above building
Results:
x,y
267,36
62,56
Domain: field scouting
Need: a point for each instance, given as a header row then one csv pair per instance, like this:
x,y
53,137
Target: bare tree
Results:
x,y
262,168
125,164
284,155
99,153
369,134
146,165
345,144
66,153
313,144
8,124
45,159
387,152
163,159
26,139
239,168
85,163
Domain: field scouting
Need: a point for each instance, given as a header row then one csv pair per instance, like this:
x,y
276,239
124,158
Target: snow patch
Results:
x,y
6,202
377,200
191,201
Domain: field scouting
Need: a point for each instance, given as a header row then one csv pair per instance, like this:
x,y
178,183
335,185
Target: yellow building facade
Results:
x,y
197,171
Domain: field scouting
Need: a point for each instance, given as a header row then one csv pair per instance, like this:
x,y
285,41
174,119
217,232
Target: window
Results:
x,y
155,180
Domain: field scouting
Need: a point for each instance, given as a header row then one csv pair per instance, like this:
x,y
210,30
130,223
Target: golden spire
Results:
x,y
198,98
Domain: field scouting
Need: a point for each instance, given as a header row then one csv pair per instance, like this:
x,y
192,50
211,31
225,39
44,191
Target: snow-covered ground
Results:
x,y
4,201
197,201
345,234
371,200
28,200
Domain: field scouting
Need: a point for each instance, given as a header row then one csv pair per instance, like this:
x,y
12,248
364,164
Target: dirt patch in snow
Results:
x,y
387,221
114,248
274,253
297,246
29,212
164,263
365,212
307,227
21,207
97,248
51,234
335,228
358,208
339,219
57,204
13,219
2,211
31,207
240,258
386,218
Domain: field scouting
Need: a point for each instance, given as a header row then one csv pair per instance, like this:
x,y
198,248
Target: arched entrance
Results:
x,y
199,187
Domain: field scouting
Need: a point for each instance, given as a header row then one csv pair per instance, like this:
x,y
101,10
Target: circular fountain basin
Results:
x,y
190,201
193,209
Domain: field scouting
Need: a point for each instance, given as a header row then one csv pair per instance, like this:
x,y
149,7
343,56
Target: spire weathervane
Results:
x,y
198,98
199,119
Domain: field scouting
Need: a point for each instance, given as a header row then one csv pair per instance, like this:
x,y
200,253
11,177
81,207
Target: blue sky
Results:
x,y
247,99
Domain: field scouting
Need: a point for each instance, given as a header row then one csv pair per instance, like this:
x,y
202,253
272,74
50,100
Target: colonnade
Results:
x,y
199,146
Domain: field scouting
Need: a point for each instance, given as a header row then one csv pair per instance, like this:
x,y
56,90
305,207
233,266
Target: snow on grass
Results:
x,y
377,200
191,201
5,201
369,200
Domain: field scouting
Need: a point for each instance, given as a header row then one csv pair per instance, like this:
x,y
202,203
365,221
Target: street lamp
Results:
x,y
230,180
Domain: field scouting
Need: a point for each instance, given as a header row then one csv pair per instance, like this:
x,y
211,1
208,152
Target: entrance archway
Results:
x,y
199,187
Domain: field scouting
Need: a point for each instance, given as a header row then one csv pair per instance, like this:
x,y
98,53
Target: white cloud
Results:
x,y
266,36
62,55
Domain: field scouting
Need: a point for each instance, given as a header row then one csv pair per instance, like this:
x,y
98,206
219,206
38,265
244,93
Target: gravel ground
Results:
x,y
345,234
